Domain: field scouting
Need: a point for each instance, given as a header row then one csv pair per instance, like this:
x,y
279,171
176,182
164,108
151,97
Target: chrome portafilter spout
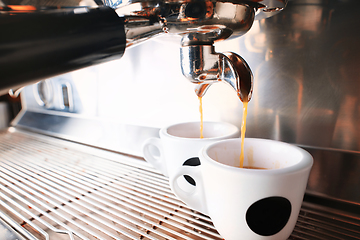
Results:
x,y
203,66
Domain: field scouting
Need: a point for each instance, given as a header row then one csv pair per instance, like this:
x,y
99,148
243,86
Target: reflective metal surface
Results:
x,y
265,8
335,175
4,115
204,67
200,23
306,75
105,134
212,21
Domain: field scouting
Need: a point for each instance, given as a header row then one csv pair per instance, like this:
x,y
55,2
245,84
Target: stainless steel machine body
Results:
x,y
39,43
73,156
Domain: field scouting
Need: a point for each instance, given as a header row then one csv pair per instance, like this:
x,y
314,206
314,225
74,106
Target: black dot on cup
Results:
x,y
268,216
190,180
194,161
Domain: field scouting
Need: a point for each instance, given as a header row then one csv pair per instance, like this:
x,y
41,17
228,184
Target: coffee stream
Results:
x,y
201,118
243,130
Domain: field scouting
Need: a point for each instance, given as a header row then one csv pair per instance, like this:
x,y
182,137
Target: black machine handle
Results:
x,y
41,44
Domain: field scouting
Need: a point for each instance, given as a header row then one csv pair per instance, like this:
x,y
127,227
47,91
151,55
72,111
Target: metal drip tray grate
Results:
x,y
316,222
53,189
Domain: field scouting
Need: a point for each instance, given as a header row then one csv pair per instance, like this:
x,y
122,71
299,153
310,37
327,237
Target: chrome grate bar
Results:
x,y
54,189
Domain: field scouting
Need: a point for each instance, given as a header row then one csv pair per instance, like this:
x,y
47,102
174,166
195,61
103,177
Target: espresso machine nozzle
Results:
x,y
41,43
203,66
201,23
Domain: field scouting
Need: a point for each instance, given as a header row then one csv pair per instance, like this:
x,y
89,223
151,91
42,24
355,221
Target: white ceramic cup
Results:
x,y
180,143
248,203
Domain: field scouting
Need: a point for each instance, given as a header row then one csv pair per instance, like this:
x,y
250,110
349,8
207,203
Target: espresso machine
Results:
x,y
63,40
98,78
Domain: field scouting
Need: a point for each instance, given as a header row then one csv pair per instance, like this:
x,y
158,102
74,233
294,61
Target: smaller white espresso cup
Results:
x,y
180,143
248,203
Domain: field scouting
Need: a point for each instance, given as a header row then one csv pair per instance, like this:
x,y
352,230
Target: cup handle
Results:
x,y
194,198
157,161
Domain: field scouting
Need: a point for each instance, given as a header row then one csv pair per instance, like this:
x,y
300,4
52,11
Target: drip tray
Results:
x,y
55,189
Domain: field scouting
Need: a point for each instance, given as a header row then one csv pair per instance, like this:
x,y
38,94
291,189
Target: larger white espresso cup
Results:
x,y
248,203
179,144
